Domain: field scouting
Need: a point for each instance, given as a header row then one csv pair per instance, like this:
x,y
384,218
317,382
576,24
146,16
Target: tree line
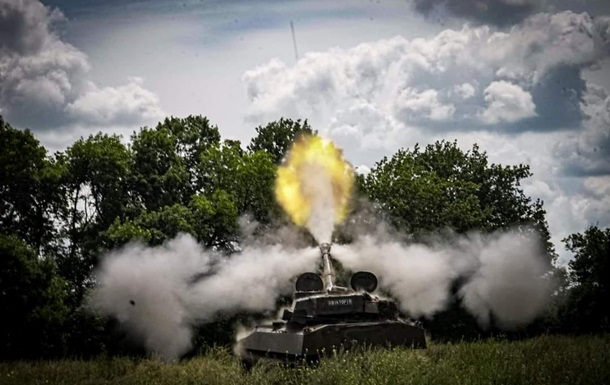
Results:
x,y
60,212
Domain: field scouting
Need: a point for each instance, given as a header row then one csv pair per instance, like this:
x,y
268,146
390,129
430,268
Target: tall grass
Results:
x,y
542,360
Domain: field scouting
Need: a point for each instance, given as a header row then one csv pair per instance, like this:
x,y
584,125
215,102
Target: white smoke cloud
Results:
x,y
144,289
251,280
504,272
160,293
317,187
418,276
509,281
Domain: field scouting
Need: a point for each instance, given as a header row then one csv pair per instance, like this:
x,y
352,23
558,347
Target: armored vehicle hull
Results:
x,y
325,317
269,341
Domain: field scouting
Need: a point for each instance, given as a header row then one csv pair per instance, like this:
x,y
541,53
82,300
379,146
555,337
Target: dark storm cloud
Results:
x,y
557,97
24,32
497,12
504,12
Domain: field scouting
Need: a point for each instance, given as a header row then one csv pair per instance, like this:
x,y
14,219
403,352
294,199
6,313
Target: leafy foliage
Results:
x,y
159,174
276,137
32,302
29,191
59,214
445,187
442,187
538,361
587,307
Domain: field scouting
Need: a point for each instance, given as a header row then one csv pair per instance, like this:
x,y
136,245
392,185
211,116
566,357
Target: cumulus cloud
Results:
x,y
44,81
129,103
414,105
26,32
598,208
464,90
517,92
506,102
526,78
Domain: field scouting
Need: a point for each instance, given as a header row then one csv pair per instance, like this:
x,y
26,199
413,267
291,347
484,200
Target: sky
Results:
x,y
527,80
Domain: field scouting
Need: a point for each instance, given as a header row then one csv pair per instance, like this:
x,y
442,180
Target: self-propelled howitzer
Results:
x,y
325,316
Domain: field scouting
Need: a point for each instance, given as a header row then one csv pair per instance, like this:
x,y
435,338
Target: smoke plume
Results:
x,y
317,187
504,274
160,293
314,186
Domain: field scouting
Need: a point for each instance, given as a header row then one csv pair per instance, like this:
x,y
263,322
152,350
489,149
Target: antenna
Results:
x,y
294,41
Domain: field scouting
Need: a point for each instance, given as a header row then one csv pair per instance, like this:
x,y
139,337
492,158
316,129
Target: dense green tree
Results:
x,y
152,227
31,301
445,187
99,165
59,214
192,135
218,166
30,197
257,180
159,174
276,137
586,308
247,177
215,219
95,176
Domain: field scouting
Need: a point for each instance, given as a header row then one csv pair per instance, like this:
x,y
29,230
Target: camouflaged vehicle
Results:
x,y
325,317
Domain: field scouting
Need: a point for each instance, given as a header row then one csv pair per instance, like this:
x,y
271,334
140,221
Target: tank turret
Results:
x,y
324,316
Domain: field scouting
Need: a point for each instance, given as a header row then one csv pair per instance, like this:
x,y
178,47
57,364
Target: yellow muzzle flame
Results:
x,y
314,173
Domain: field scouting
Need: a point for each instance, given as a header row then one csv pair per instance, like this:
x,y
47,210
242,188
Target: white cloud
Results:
x,y
379,96
506,102
576,204
600,187
413,105
473,77
128,104
365,124
464,90
363,169
44,81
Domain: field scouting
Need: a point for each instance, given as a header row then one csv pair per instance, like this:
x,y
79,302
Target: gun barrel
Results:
x,y
328,274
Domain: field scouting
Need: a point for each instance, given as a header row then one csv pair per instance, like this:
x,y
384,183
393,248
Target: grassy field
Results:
x,y
543,360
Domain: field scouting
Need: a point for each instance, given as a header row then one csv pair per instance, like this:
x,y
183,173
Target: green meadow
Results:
x,y
541,360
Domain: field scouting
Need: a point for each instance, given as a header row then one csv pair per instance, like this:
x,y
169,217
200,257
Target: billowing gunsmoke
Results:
x,y
160,293
504,274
